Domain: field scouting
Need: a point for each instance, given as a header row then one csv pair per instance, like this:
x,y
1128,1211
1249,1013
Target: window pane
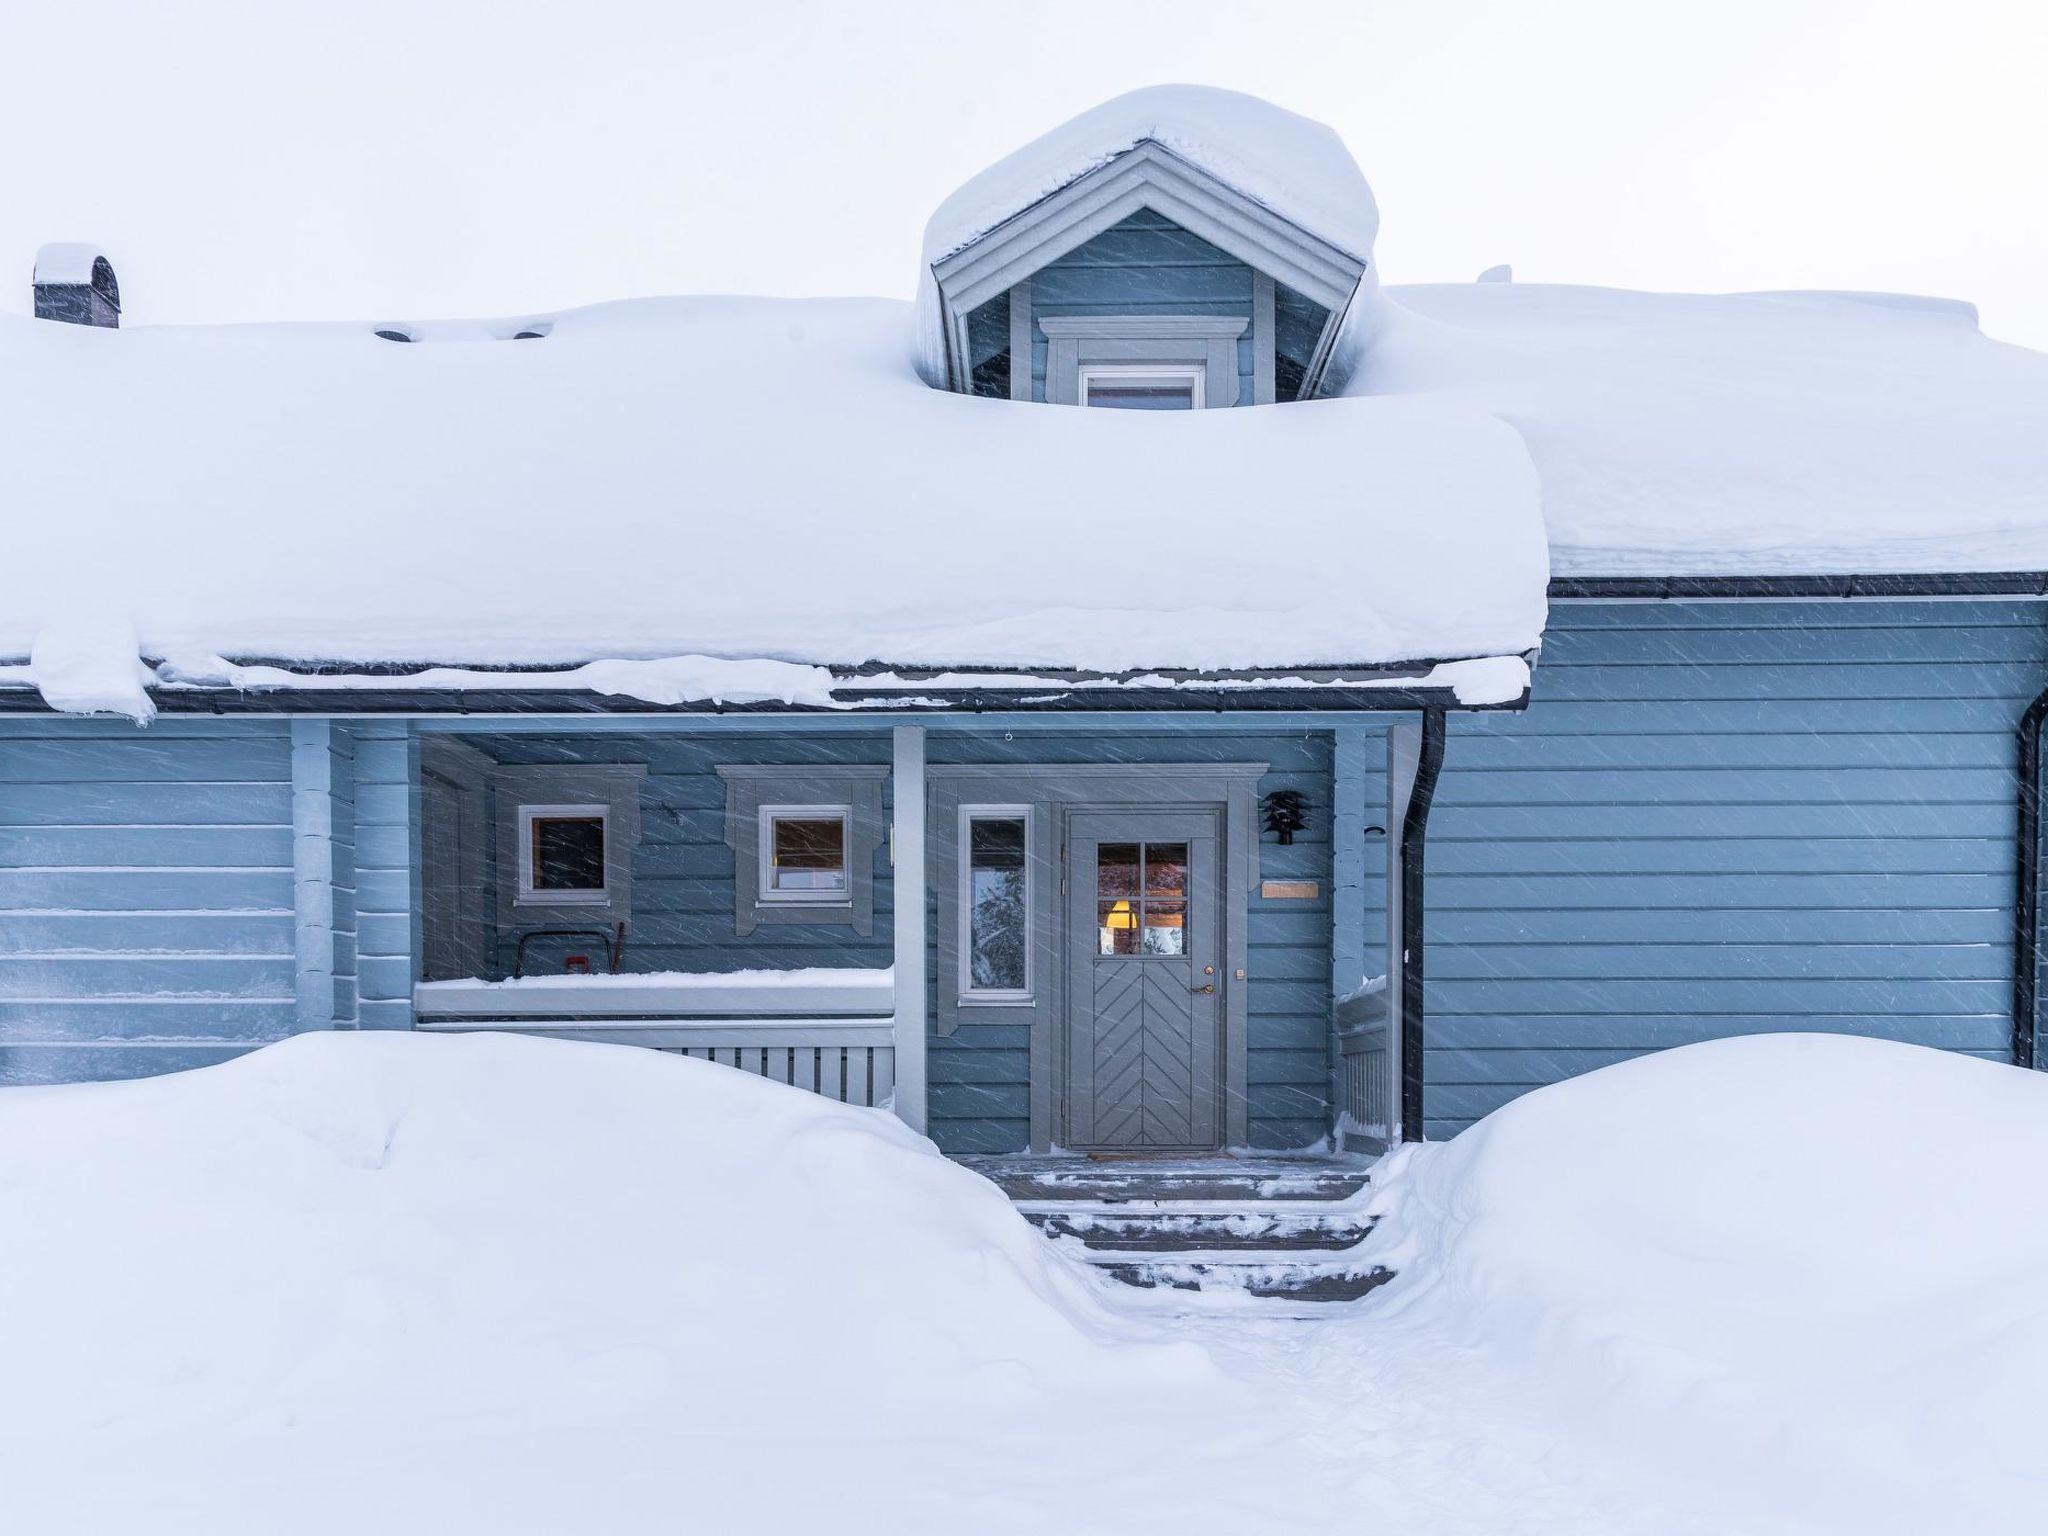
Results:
x,y
1116,870
1165,931
1116,927
1166,869
997,931
568,853
1128,395
809,854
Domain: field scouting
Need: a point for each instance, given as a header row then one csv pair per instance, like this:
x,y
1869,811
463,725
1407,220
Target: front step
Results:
x,y
1068,1179
1156,1231
1283,1229
1271,1281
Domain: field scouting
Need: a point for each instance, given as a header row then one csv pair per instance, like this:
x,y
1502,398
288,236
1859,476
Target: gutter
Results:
x,y
911,700
1414,827
2026,949
1931,584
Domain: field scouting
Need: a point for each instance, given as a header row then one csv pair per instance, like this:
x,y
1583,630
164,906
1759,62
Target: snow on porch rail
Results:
x,y
829,1031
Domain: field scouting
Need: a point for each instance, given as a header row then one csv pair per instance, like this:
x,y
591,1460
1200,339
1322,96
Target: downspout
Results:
x,y
1414,825
2026,949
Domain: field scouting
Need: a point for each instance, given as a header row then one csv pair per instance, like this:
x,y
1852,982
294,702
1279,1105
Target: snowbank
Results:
x,y
405,1283
726,481
1746,434
1816,1263
301,1261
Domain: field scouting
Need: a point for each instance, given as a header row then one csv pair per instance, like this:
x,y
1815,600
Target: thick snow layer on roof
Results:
x,y
1295,166
726,479
1680,434
66,262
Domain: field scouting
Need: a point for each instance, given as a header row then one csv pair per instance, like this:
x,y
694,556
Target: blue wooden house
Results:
x,y
1162,693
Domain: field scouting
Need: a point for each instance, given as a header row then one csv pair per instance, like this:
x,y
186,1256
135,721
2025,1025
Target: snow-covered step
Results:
x,y
1283,1229
1049,1179
1237,1274
1157,1229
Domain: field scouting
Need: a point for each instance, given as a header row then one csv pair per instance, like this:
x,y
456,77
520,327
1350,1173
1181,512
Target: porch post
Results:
x,y
1347,892
906,841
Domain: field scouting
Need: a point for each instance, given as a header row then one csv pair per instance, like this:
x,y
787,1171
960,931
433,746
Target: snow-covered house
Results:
x,y
1162,691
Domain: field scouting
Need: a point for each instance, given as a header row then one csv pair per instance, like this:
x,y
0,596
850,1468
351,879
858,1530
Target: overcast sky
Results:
x,y
279,160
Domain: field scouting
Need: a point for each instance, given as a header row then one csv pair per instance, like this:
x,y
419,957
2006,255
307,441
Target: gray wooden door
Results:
x,y
1143,989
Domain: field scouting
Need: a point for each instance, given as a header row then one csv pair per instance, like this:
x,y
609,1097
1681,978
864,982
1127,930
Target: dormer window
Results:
x,y
1143,362
1137,387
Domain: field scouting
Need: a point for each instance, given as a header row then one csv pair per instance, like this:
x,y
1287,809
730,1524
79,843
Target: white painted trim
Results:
x,y
766,893
907,763
994,996
525,893
626,997
681,1033
1193,374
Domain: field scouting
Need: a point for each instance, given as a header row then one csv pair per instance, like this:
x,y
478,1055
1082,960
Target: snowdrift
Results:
x,y
409,1283
1815,1266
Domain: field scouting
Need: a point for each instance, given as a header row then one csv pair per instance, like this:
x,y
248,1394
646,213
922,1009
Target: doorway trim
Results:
x,y
1053,791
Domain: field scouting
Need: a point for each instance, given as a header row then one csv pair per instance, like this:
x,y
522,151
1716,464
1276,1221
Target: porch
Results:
x,y
622,881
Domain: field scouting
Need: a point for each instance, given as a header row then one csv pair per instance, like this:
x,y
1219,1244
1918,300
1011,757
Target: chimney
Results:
x,y
75,284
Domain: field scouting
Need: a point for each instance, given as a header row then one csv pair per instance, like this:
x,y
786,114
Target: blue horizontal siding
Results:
x,y
1146,265
1728,818
146,901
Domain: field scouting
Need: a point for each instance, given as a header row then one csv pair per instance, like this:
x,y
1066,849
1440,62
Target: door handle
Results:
x,y
1210,987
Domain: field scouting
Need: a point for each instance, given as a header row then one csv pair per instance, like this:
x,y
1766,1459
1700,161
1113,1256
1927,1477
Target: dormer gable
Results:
x,y
1175,248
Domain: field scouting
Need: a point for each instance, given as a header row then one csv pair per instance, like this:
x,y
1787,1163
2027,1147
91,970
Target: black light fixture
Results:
x,y
1285,812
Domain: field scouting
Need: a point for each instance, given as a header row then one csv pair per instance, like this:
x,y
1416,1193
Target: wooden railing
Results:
x,y
849,1057
1365,1041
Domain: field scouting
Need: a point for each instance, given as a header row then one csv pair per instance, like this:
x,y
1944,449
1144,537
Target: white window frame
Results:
x,y
969,993
767,893
1195,375
529,895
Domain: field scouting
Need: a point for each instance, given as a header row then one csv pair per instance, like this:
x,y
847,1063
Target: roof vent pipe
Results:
x,y
75,284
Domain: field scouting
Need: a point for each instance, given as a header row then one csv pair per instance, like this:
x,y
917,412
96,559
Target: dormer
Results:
x,y
1179,248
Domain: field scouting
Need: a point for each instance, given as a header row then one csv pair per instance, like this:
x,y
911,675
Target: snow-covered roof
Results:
x,y
724,479
67,262
1750,434
743,500
1296,167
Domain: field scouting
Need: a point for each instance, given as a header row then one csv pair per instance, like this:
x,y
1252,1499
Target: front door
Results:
x,y
1142,995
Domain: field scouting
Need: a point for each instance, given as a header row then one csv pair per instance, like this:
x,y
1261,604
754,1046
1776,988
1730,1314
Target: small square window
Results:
x,y
562,853
803,853
1142,388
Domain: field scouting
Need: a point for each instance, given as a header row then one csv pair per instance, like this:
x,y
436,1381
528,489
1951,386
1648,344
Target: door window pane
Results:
x,y
1116,870
998,920
808,854
568,853
1141,899
1166,929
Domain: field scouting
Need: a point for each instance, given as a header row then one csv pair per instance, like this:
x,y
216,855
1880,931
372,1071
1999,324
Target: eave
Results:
x,y
871,689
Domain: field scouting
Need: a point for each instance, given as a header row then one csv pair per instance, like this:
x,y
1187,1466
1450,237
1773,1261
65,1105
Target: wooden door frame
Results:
x,y
1053,789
